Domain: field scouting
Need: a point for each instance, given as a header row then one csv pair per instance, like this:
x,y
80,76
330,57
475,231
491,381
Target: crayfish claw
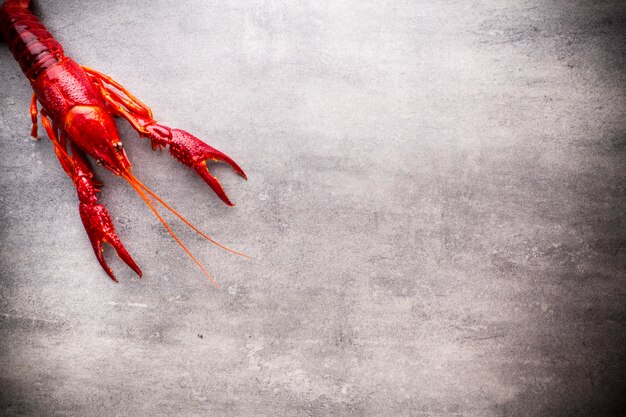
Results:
x,y
99,227
114,241
98,248
124,255
202,170
222,157
194,153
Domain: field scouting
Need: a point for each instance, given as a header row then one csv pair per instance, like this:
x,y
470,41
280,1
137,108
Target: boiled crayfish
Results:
x,y
77,109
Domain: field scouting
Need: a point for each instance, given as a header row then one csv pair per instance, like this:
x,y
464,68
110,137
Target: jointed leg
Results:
x,y
132,101
185,147
33,116
95,217
60,150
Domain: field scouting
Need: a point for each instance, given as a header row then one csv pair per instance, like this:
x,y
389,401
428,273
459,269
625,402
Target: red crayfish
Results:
x,y
77,109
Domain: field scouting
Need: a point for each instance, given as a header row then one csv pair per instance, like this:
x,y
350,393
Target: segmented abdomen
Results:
x,y
28,39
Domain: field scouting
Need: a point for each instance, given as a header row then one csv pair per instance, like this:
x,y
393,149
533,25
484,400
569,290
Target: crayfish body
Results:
x,y
78,105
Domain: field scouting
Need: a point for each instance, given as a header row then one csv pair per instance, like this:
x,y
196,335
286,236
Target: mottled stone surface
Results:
x,y
435,213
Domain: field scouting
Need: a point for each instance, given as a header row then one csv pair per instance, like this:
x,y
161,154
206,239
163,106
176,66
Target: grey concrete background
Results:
x,y
435,213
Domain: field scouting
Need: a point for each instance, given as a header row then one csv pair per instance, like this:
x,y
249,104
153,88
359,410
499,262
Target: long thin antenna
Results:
x,y
171,232
187,222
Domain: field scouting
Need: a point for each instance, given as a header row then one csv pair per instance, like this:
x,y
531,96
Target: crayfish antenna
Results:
x,y
180,216
144,197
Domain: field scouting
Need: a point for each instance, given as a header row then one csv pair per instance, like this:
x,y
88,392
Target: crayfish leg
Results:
x,y
185,147
96,219
59,149
95,216
130,101
33,117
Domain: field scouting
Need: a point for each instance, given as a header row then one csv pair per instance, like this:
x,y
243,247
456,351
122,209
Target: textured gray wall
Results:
x,y
435,213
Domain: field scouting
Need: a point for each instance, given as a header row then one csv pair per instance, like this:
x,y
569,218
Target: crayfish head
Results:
x,y
93,130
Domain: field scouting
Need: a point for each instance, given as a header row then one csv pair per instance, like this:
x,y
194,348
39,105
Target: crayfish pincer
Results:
x,y
77,106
